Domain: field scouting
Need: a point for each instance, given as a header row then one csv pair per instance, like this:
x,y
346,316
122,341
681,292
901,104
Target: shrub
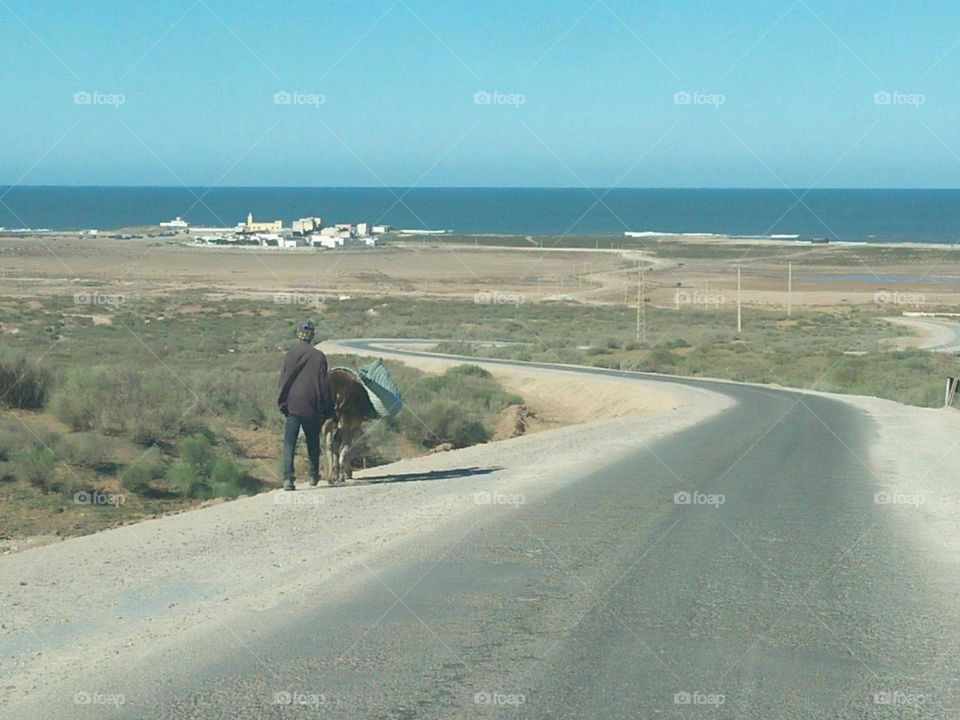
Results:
x,y
79,399
229,479
86,449
467,370
140,476
146,407
12,438
442,420
198,453
204,473
36,465
458,407
23,384
241,395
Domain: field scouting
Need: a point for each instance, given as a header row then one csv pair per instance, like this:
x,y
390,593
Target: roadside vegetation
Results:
x,y
166,403
161,405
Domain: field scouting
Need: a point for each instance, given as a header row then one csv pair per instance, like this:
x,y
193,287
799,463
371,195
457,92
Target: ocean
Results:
x,y
847,215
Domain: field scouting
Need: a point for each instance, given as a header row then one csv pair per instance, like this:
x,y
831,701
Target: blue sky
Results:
x,y
480,93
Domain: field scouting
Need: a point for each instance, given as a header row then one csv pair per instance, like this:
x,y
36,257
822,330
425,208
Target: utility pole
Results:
x,y
640,269
789,288
739,317
642,308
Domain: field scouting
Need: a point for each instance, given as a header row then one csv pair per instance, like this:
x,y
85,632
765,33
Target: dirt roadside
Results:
x,y
556,398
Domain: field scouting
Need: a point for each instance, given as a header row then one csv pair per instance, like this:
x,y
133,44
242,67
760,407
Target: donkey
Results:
x,y
341,433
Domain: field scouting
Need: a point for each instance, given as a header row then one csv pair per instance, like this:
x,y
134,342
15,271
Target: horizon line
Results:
x,y
12,187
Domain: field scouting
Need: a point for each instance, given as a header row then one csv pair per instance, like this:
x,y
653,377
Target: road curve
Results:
x,y
741,568
941,335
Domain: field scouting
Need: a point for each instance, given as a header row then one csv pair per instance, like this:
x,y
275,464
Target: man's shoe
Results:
x,y
288,484
314,481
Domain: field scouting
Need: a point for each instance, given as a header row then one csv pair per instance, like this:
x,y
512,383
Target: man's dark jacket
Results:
x,y
304,386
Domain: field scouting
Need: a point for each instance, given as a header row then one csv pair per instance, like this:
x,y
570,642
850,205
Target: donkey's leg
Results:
x,y
346,446
330,450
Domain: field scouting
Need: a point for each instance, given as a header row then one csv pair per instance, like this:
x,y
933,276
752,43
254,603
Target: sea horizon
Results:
x,y
929,215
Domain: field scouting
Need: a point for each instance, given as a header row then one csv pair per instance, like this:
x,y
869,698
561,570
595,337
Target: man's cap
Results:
x,y
305,329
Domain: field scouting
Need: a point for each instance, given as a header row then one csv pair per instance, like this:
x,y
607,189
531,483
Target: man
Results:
x,y
306,401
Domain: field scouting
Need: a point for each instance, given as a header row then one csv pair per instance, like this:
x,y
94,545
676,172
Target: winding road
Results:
x,y
741,568
940,335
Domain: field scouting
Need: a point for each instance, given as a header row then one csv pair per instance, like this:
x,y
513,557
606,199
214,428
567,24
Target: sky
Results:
x,y
512,93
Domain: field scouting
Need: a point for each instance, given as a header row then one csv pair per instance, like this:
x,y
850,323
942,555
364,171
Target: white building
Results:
x,y
380,229
180,225
363,229
289,243
306,226
212,231
268,239
331,242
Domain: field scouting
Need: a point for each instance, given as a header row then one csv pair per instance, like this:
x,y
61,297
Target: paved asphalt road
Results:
x,y
797,597
944,334
951,344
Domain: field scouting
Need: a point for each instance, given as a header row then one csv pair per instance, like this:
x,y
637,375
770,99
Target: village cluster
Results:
x,y
305,232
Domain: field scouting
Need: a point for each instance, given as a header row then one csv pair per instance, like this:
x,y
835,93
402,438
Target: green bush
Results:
x,y
458,407
12,438
79,399
36,465
23,383
198,453
141,476
84,449
202,472
240,395
147,407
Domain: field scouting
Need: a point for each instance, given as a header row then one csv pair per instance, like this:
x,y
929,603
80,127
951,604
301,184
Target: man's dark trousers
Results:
x,y
311,432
